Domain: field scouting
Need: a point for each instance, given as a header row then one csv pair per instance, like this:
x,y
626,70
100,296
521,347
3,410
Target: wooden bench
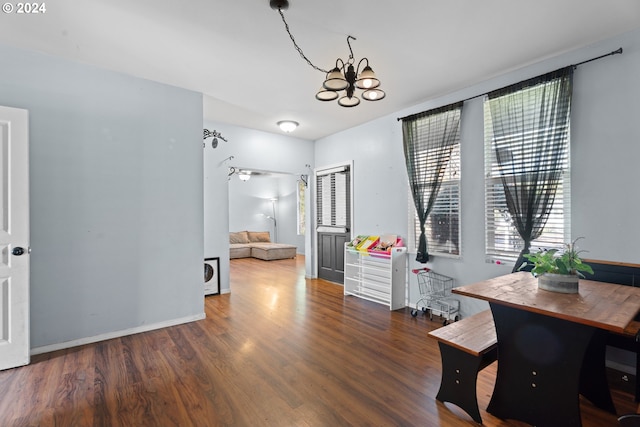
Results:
x,y
466,347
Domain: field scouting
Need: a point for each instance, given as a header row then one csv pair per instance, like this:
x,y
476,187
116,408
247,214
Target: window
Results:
x,y
432,152
301,211
527,167
333,190
443,223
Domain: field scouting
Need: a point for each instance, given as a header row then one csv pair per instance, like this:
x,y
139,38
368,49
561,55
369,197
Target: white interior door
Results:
x,y
14,237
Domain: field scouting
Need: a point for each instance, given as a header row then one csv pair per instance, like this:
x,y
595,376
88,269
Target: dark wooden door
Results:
x,y
333,190
331,256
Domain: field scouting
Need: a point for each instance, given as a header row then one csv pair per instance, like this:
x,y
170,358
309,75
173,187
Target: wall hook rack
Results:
x,y
212,134
226,160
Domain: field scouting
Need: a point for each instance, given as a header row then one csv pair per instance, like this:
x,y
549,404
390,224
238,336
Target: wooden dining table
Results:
x,y
552,346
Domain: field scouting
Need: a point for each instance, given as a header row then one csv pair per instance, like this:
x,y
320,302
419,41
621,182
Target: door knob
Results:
x,y
17,251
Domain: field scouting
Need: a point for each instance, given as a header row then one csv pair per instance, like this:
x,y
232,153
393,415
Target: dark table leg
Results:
x,y
593,378
539,365
459,376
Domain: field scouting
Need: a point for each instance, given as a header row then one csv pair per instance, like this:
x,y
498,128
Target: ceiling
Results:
x,y
238,54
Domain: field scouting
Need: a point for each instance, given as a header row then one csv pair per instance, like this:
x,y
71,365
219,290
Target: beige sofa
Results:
x,y
257,244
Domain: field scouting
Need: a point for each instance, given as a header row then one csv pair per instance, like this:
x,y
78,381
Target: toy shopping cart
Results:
x,y
435,296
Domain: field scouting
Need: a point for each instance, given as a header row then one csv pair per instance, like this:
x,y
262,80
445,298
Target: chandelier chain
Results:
x,y
302,55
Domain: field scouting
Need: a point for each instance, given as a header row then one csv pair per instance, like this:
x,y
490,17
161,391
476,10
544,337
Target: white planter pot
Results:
x,y
563,283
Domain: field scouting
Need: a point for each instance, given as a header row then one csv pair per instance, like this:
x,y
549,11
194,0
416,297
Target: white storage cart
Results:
x,y
435,295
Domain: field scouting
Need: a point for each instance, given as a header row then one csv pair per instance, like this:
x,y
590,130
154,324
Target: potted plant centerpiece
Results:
x,y
558,271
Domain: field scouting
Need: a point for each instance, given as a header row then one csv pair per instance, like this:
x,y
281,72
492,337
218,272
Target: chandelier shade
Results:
x,y
349,101
335,80
373,94
326,94
367,79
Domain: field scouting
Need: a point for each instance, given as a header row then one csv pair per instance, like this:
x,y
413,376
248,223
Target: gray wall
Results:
x,y
116,198
605,152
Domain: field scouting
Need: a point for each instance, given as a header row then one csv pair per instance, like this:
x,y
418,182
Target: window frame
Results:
x,y
558,226
334,220
452,177
301,209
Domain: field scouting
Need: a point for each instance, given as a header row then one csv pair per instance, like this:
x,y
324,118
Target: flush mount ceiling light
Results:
x,y
344,76
244,175
288,125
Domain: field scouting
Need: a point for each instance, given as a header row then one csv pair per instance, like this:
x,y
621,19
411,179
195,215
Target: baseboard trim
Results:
x,y
115,334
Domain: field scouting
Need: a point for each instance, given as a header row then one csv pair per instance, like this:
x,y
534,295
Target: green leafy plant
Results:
x,y
553,261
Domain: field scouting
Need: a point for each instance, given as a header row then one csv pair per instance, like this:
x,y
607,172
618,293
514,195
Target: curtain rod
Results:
x,y
615,52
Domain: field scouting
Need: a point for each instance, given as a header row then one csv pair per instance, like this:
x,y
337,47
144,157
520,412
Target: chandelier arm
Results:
x,y
359,63
298,48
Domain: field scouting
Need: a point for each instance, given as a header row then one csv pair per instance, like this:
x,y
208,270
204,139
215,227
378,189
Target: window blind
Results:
x,y
333,188
443,223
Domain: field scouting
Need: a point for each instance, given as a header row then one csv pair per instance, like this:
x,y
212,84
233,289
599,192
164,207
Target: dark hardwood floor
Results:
x,y
278,351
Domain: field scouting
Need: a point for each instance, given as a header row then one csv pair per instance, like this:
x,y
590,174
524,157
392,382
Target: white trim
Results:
x,y
330,170
327,229
319,171
116,334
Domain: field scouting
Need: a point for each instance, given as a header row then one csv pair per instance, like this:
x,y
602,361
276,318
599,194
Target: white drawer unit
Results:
x,y
379,277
